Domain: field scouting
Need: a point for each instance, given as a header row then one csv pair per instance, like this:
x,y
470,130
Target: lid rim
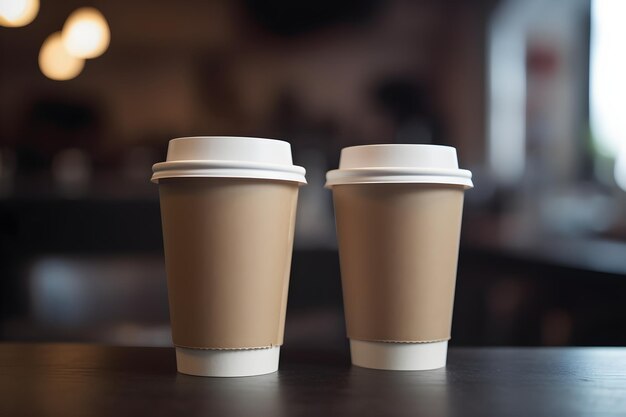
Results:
x,y
382,171
224,164
399,175
456,181
199,169
156,178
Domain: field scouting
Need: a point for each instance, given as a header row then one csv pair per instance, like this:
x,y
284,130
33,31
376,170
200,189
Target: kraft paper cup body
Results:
x,y
398,214
228,210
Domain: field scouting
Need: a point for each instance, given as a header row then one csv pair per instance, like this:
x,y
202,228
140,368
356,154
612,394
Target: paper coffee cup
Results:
x,y
398,215
228,209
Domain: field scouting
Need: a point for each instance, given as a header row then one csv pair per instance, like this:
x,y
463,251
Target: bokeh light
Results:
x,y
86,33
16,13
55,62
607,87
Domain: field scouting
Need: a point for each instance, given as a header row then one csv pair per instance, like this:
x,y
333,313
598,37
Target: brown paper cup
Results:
x,y
398,214
228,208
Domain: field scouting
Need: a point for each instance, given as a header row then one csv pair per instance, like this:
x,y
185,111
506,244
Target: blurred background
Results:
x,y
530,92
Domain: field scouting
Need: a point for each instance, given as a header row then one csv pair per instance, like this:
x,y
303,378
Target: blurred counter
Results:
x,y
91,269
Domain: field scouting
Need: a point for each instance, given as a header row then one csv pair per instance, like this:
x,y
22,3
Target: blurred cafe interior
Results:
x,y
530,92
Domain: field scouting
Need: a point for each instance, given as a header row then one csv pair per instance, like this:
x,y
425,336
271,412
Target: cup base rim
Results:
x,y
399,356
227,362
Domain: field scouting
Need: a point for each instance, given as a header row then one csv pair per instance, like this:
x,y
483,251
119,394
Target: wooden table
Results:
x,y
88,380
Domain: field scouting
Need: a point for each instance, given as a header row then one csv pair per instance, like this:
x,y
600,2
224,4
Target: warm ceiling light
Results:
x,y
15,13
86,33
55,62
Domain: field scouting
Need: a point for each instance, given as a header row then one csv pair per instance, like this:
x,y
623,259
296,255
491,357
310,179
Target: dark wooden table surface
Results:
x,y
89,380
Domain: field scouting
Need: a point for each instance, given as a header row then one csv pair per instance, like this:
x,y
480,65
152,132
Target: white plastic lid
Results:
x,y
229,156
399,163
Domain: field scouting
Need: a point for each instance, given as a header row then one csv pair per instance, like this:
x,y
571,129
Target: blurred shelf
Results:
x,y
33,225
591,254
